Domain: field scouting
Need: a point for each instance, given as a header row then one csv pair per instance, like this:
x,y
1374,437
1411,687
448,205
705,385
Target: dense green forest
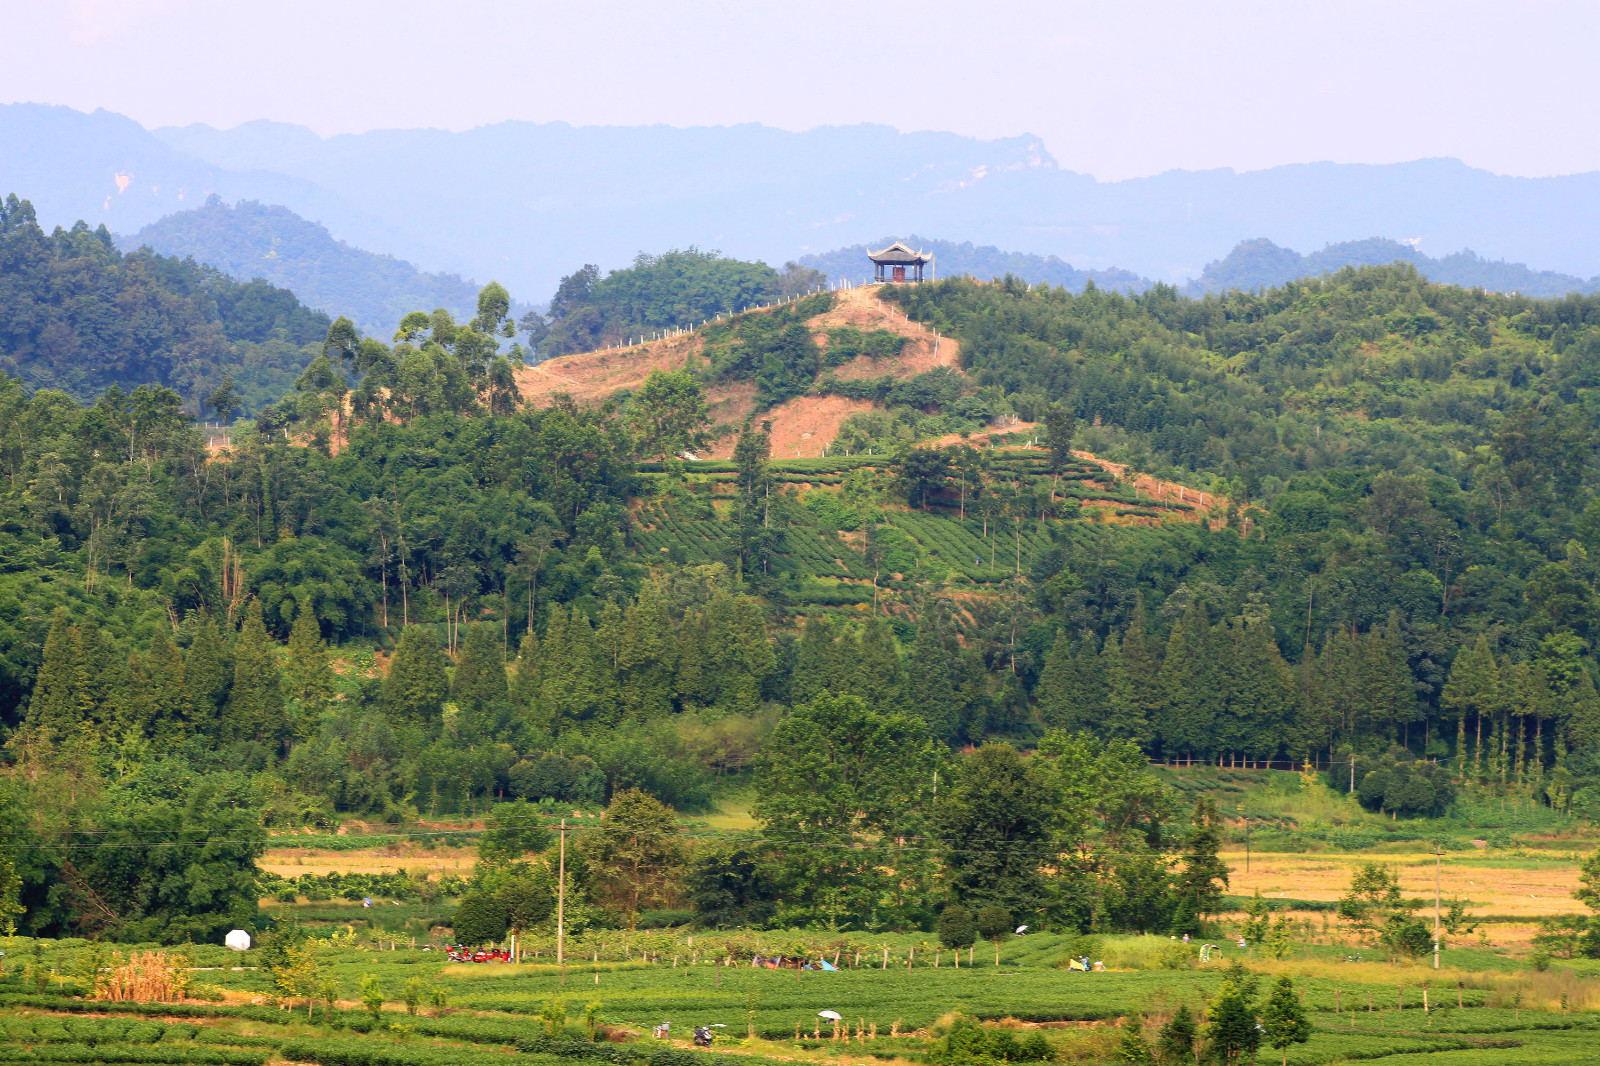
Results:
x,y
79,316
401,592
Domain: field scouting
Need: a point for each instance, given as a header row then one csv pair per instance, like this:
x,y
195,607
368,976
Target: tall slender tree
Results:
x,y
60,702
255,701
415,687
1190,686
207,672
307,670
480,678
1473,690
931,686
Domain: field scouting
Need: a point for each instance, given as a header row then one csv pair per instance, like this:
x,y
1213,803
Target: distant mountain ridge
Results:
x,y
984,262
528,203
252,240
1259,263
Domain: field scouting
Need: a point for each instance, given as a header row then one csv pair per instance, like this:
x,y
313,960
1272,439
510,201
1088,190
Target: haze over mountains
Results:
x,y
252,240
527,203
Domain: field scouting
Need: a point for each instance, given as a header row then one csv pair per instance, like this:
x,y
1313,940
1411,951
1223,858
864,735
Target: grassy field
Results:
x,y
1481,1008
1488,1003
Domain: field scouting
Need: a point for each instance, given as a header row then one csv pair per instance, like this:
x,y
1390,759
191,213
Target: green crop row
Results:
x,y
132,1053
829,595
954,543
358,1052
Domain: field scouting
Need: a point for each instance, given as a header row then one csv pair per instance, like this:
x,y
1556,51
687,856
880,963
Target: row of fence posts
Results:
x,y
665,334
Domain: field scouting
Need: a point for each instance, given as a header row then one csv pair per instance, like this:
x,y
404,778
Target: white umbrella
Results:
x,y
1021,929
831,1015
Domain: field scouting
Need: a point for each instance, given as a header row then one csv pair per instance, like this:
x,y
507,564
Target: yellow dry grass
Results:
x,y
292,862
732,814
147,977
1491,888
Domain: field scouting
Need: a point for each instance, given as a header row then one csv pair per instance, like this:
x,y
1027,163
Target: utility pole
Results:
x,y
1439,850
561,908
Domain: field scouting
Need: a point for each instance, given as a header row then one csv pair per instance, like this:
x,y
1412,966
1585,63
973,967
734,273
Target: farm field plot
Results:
x,y
1540,888
1366,1012
292,862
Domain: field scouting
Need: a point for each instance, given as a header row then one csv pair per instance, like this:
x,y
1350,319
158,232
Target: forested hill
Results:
x,y
1394,562
250,240
1261,264
78,315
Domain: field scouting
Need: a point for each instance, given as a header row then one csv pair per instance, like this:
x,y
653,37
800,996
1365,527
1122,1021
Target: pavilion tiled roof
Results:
x,y
897,253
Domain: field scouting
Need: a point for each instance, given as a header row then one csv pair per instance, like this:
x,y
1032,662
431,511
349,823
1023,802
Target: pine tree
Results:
x,y
931,687
480,678
1203,876
1388,682
1539,703
1283,1019
1231,1032
1175,1045
720,651
608,636
133,711
1308,734
645,659
1330,687
756,654
56,708
255,702
207,670
414,690
1088,682
105,668
308,673
1188,720
172,709
692,685
813,656
1341,685
1582,714
1123,717
880,676
1132,1047
1142,663
1472,689
1060,704
578,686
1261,693
526,686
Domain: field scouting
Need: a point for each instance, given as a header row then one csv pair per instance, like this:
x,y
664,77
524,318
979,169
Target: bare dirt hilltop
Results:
x,y
800,427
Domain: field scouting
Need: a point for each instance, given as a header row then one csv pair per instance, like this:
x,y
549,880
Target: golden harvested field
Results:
x,y
292,862
1491,884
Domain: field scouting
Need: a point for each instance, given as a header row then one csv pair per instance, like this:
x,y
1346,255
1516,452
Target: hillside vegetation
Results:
x,y
250,240
1376,560
1262,264
79,316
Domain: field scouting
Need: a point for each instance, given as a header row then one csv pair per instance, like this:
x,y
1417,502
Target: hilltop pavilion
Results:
x,y
890,264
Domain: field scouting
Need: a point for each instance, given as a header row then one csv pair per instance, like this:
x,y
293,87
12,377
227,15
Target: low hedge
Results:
x,y
133,1053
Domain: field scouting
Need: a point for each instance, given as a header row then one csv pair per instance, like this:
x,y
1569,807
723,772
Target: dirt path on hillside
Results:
x,y
801,427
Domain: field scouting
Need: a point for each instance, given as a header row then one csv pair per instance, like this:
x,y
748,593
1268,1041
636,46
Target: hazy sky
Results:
x,y
1116,88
